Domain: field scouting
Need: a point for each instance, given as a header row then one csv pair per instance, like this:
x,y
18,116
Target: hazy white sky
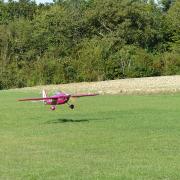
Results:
x,y
43,1
37,1
50,1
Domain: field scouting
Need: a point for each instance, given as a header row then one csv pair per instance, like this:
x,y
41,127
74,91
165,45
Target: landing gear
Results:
x,y
53,108
71,106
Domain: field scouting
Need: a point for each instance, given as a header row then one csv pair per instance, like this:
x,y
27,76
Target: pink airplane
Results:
x,y
58,99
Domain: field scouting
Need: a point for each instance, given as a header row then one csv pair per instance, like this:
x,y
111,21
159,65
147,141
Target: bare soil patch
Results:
x,y
147,85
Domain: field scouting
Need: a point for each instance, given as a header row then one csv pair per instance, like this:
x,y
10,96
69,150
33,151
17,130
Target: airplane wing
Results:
x,y
39,99
83,95
57,97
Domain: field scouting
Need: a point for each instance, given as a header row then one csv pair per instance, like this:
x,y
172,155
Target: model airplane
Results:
x,y
57,99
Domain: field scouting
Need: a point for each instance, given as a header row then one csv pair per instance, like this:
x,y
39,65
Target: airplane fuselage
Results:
x,y
61,98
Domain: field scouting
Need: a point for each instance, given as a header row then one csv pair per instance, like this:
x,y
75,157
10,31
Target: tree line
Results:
x,y
87,40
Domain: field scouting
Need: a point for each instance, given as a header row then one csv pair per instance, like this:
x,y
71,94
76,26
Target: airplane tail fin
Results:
x,y
44,95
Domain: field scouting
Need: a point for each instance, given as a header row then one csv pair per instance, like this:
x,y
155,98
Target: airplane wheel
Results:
x,y
71,106
53,108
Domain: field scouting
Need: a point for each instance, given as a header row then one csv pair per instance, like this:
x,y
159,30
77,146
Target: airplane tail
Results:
x,y
44,95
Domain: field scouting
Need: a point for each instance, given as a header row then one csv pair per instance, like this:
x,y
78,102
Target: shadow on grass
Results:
x,y
70,120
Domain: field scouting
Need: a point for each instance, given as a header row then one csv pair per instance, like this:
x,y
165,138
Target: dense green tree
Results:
x,y
21,9
80,40
166,4
174,25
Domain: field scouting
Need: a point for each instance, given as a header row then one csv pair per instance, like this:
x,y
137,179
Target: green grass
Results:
x,y
105,137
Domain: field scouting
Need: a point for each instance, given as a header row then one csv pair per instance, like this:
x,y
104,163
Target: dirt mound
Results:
x,y
148,85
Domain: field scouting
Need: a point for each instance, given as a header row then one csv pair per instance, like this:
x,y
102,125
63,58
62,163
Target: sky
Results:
x,y
37,1
43,1
50,1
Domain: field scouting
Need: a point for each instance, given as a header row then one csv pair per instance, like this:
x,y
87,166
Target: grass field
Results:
x,y
105,137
